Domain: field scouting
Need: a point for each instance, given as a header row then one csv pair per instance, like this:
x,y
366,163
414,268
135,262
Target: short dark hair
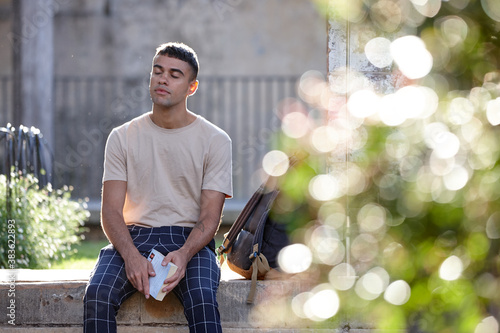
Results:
x,y
182,52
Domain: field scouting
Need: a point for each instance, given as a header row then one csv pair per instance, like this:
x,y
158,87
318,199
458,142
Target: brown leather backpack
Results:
x,y
254,240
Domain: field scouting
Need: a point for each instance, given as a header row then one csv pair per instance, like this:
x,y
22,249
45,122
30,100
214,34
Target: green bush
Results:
x,y
38,225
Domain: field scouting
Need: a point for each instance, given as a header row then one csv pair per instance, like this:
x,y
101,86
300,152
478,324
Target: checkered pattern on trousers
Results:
x,y
109,287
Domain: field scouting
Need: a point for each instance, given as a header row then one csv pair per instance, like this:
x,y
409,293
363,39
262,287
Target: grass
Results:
x,y
84,255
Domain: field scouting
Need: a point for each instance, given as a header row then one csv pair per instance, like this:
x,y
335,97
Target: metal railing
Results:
x,y
87,108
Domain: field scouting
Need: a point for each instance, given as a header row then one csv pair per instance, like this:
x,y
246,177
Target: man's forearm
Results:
x,y
212,204
203,232
137,267
117,233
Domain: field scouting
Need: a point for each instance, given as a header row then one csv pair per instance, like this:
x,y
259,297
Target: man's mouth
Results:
x,y
162,91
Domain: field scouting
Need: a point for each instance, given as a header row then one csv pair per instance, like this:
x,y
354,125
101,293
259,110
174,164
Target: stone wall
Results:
x,y
5,45
232,37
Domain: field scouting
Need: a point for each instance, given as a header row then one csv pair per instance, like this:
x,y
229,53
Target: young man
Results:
x,y
166,176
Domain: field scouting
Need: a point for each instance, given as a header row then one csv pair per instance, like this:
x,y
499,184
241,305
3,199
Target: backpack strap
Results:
x,y
259,265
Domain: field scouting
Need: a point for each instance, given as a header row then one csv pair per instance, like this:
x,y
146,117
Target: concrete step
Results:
x,y
51,301
142,329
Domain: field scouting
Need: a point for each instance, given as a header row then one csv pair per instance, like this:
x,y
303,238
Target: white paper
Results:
x,y
162,272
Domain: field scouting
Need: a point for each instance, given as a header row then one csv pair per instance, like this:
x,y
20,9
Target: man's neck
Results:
x,y
172,118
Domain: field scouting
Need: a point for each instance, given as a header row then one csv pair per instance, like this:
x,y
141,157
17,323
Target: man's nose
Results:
x,y
163,79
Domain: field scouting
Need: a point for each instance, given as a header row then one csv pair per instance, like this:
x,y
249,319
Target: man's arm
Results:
x,y
137,267
203,232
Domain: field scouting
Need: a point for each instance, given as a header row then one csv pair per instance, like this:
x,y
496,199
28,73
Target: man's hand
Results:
x,y
139,269
180,258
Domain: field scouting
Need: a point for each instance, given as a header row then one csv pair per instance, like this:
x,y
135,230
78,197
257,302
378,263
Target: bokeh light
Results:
x,y
378,52
398,292
363,103
451,269
324,139
447,145
441,166
372,284
441,54
397,145
364,247
460,111
327,245
456,179
487,285
412,57
333,214
390,112
298,303
487,325
493,111
444,143
311,85
459,4
295,258
493,226
371,218
352,11
275,163
324,188
491,9
409,167
356,179
342,277
471,131
295,124
427,8
454,30
322,304
410,102
417,101
387,15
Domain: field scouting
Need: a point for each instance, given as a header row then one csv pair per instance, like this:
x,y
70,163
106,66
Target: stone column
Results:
x,y
33,59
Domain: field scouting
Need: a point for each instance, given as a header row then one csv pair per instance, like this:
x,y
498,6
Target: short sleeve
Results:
x,y
115,159
218,168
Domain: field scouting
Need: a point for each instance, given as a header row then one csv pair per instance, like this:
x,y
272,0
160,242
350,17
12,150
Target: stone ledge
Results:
x,y
143,329
56,306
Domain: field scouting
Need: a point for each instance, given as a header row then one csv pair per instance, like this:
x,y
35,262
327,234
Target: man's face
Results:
x,y
170,81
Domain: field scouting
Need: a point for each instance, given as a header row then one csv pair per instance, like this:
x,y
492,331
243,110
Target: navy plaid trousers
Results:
x,y
109,287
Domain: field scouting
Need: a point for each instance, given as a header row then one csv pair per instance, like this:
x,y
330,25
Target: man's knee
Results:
x,y
203,296
98,292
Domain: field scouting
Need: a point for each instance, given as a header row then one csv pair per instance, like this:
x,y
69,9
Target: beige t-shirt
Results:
x,y
166,169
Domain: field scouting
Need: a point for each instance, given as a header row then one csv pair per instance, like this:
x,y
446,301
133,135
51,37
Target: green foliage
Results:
x,y
46,222
422,226
399,204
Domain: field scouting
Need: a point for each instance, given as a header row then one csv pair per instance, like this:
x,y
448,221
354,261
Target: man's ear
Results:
x,y
193,86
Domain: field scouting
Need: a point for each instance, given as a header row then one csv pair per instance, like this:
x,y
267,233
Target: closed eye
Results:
x,y
176,73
